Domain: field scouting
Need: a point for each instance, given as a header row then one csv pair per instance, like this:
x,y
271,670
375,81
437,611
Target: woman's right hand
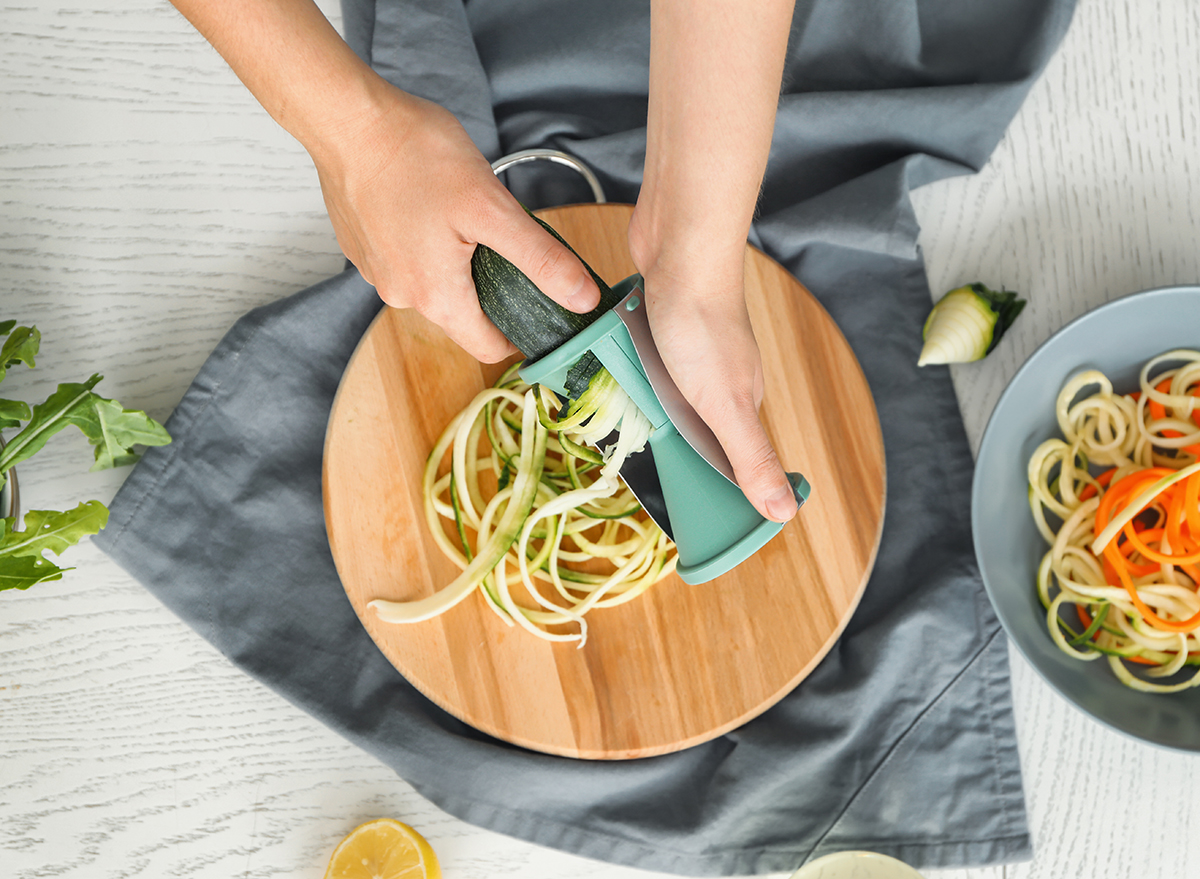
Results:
x,y
408,193
410,196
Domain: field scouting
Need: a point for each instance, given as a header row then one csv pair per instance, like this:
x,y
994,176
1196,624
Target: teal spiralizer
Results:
x,y
684,479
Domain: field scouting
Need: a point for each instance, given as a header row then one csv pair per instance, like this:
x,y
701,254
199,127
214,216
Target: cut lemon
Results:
x,y
383,849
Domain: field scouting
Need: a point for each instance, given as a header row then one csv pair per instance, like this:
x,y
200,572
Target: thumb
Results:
x,y
755,463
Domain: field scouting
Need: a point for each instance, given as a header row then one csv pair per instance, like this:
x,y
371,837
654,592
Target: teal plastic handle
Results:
x,y
714,527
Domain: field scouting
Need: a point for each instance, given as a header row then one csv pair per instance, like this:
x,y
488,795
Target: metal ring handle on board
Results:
x,y
559,158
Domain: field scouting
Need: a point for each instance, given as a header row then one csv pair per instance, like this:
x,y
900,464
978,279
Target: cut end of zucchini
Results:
x,y
966,324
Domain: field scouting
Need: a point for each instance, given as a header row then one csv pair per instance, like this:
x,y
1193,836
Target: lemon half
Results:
x,y
383,849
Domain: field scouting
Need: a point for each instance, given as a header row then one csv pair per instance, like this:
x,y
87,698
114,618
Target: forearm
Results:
x,y
292,60
409,194
715,69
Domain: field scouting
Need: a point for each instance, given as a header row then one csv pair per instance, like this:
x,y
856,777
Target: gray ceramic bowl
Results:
x,y
1117,338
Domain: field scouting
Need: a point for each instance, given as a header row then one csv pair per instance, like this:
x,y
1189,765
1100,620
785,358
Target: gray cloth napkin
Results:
x,y
902,740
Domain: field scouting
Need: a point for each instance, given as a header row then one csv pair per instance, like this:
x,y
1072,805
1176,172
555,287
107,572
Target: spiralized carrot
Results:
x,y
582,515
1118,501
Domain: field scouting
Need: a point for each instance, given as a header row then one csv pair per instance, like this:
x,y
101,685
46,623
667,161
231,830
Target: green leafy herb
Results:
x,y
13,412
113,430
20,347
21,573
21,561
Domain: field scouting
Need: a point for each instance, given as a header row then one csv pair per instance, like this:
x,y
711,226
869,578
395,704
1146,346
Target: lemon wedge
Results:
x,y
383,849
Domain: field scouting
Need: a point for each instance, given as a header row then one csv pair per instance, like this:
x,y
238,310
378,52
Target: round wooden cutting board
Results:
x,y
679,665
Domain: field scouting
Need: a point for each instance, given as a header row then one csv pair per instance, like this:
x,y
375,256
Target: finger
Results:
x,y
470,329
550,265
755,463
482,341
456,311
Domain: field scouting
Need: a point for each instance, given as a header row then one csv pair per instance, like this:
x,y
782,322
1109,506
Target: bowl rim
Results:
x,y
988,437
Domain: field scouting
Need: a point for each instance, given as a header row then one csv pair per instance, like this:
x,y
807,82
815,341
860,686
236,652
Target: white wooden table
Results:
x,y
146,202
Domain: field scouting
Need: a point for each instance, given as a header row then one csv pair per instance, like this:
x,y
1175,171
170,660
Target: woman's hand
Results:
x,y
410,196
715,69
408,193
697,313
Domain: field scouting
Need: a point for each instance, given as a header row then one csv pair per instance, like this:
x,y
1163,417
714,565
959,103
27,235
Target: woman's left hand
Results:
x,y
715,69
702,330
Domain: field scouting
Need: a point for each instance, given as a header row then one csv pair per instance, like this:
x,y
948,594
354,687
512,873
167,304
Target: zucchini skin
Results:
x,y
530,319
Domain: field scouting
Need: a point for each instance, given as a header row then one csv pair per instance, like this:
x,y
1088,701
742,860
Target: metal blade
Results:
x,y
641,475
687,421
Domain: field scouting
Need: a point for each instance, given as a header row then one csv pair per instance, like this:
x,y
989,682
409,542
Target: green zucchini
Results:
x,y
530,319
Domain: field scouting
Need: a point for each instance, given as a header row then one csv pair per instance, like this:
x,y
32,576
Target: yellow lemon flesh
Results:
x,y
383,849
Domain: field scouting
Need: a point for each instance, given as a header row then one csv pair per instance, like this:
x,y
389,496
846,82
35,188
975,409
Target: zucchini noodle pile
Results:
x,y
522,503
1118,500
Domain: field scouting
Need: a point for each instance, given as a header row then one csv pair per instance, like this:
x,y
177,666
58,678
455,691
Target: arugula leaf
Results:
x,y
13,412
21,561
48,418
21,573
20,347
51,530
108,426
112,429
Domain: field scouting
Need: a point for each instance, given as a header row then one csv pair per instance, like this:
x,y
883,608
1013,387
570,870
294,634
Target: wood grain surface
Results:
x,y
675,667
146,201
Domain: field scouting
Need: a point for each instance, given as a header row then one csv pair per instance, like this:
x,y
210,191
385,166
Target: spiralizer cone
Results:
x,y
712,524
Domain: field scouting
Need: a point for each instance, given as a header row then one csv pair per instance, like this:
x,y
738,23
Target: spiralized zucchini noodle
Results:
x,y
1118,501
517,500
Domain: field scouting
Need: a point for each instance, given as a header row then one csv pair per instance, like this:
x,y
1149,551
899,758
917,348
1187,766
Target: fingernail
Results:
x,y
584,297
782,505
